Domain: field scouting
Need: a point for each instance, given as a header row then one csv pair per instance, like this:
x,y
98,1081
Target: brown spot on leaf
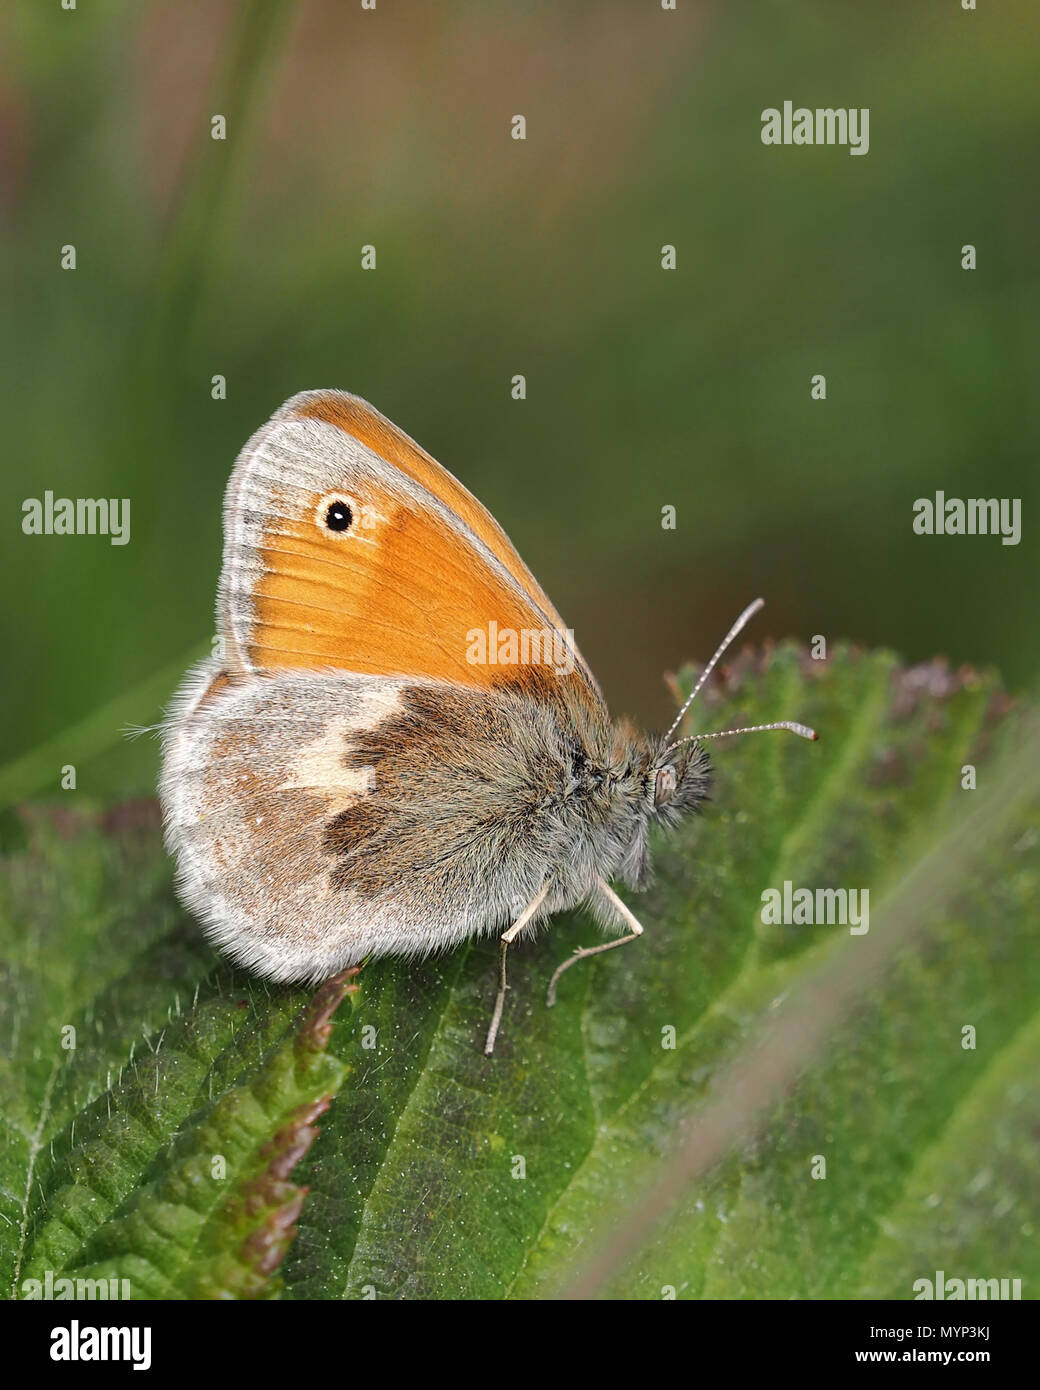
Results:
x,y
316,1024
929,680
271,1191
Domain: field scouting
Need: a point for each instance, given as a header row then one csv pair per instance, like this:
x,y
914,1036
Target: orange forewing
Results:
x,y
383,437
400,601
402,591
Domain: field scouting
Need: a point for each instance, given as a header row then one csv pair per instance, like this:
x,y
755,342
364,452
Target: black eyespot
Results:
x,y
338,517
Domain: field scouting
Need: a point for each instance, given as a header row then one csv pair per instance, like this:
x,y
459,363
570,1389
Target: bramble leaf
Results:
x,y
640,1139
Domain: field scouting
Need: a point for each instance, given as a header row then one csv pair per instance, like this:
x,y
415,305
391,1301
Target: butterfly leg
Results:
x,y
605,891
508,938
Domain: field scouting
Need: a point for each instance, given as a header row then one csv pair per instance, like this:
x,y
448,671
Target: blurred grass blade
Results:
x,y
39,769
213,179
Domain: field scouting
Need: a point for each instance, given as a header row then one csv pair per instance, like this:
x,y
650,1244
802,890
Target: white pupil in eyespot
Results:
x,y
338,517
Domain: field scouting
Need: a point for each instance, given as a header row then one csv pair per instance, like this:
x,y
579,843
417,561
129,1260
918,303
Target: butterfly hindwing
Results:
x,y
322,817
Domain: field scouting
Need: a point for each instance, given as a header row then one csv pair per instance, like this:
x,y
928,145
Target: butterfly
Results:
x,y
397,744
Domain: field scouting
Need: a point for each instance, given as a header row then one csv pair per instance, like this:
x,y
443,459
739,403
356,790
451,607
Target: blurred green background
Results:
x,y
496,257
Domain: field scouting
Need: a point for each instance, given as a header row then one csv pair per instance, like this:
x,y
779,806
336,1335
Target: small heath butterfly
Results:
x,y
398,744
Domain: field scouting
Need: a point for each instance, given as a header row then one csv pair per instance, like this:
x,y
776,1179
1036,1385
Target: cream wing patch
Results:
x,y
319,770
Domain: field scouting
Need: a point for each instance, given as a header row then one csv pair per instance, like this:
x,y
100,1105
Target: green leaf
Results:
x,y
421,1200
154,1102
588,1155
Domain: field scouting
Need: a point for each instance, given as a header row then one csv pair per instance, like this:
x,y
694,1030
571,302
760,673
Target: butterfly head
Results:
x,y
620,783
682,772
680,781
662,780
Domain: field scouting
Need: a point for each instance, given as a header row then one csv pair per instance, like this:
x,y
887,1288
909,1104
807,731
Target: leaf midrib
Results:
x,y
35,1145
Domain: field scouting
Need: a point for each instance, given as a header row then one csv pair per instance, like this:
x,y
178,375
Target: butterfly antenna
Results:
x,y
802,730
734,632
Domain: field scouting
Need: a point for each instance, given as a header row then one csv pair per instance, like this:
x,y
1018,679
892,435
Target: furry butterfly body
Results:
x,y
343,779
321,818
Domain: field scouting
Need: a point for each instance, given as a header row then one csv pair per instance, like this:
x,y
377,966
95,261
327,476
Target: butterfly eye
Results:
x,y
338,517
665,785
